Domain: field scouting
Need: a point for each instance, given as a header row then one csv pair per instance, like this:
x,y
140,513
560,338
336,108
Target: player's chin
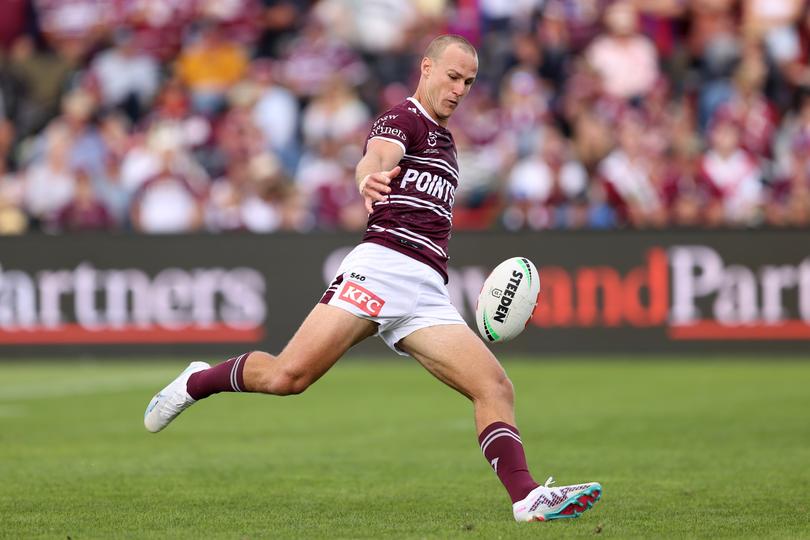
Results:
x,y
446,112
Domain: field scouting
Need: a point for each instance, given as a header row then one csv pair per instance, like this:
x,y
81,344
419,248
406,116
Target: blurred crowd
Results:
x,y
166,116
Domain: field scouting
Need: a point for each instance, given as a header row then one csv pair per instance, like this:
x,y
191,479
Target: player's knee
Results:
x,y
291,382
502,389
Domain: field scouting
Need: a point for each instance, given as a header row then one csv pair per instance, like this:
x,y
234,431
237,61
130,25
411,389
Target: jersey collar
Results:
x,y
422,110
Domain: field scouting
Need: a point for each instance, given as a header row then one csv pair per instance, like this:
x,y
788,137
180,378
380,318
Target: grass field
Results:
x,y
381,450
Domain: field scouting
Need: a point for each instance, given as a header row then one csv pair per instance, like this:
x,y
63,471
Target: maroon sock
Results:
x,y
224,377
503,449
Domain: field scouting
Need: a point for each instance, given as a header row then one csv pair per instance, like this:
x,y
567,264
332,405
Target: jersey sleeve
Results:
x,y
396,126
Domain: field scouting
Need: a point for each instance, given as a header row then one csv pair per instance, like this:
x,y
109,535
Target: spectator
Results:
x,y
262,208
279,21
41,76
626,61
165,148
276,113
524,108
237,137
789,195
337,113
555,45
209,66
75,26
314,57
319,165
166,203
773,22
731,178
748,107
238,19
158,26
85,212
127,79
335,205
544,187
79,114
582,18
49,182
380,27
797,70
627,175
12,217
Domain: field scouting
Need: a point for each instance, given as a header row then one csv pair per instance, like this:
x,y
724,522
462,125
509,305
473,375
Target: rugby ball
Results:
x,y
507,300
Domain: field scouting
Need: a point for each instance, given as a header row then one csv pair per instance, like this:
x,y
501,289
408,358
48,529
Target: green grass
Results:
x,y
380,449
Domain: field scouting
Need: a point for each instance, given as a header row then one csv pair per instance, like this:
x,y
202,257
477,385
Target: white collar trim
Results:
x,y
422,109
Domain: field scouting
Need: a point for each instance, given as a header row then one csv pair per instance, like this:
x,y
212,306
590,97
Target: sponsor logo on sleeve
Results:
x,y
362,298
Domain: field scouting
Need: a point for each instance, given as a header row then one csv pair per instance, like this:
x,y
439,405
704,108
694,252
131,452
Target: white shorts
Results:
x,y
397,292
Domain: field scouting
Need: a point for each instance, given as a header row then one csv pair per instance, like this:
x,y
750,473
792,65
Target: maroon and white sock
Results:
x,y
503,449
224,377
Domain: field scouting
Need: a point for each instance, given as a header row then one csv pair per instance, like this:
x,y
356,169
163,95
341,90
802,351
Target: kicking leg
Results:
x,y
457,357
324,336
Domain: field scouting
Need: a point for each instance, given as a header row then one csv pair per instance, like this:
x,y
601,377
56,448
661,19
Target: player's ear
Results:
x,y
427,65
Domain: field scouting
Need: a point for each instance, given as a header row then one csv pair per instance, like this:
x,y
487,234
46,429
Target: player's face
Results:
x,y
450,78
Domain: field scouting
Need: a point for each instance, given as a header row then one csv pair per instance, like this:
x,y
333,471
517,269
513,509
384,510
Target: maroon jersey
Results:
x,y
417,217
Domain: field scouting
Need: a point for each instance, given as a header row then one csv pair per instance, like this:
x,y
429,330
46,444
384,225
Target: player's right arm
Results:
x,y
376,169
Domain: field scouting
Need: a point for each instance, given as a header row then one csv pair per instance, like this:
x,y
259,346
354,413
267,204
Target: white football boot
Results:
x,y
545,502
172,400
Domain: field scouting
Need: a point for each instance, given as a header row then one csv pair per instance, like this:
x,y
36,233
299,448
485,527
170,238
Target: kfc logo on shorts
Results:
x,y
362,298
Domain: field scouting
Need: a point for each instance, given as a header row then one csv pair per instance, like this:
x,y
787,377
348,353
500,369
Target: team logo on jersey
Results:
x,y
431,138
413,110
362,298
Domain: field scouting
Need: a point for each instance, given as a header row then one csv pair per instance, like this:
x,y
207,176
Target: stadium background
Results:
x,y
176,181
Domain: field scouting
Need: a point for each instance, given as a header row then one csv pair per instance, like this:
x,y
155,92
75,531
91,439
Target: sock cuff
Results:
x,y
496,430
237,371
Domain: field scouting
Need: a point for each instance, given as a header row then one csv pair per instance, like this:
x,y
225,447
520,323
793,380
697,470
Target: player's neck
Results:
x,y
421,97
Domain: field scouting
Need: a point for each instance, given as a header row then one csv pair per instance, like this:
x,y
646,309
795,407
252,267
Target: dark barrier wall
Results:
x,y
216,295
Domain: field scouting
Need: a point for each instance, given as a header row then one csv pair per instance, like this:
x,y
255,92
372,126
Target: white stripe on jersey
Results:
x,y
435,162
416,238
422,110
438,160
408,203
427,204
389,139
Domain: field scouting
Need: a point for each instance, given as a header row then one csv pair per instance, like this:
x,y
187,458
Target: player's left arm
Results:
x,y
376,170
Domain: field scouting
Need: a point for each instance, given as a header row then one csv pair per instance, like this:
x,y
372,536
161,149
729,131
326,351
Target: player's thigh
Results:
x,y
455,355
324,336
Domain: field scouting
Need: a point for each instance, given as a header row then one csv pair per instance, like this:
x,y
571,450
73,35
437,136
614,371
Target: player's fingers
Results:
x,y
377,185
368,203
393,172
377,196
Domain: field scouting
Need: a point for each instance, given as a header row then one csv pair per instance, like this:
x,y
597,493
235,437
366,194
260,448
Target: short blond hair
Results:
x,y
439,44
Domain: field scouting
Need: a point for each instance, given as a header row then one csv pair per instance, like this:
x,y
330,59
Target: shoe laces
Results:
x,y
549,482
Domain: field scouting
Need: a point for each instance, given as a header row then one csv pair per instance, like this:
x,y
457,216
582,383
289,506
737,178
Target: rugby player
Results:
x,y
393,285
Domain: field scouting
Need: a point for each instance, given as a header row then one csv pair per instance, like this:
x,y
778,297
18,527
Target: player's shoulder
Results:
x,y
400,124
404,111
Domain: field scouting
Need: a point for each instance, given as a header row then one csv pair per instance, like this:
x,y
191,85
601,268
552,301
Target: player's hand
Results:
x,y
375,187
